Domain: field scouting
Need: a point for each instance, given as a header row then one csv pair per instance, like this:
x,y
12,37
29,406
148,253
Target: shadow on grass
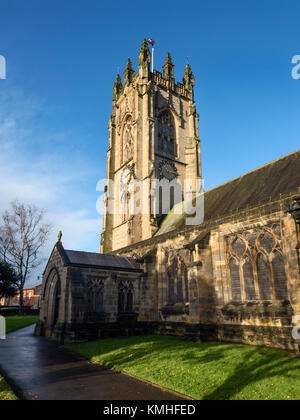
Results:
x,y
246,373
235,365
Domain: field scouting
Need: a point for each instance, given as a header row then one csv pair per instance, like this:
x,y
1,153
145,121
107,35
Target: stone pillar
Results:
x,y
162,278
294,210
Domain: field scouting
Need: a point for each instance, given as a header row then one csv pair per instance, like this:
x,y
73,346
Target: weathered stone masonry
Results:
x,y
235,277
242,278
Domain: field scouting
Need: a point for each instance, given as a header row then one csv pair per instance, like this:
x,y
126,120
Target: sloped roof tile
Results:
x,y
268,182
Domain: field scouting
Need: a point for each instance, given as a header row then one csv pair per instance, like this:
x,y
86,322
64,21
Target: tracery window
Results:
x,y
125,297
125,206
235,280
177,280
186,282
171,288
95,295
280,278
263,274
127,143
249,279
172,273
256,267
193,291
166,134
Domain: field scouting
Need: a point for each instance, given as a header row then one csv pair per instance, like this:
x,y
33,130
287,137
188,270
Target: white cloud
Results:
x,y
46,178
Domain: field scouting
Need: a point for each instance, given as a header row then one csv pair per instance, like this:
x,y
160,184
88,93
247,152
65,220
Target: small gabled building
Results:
x,y
86,294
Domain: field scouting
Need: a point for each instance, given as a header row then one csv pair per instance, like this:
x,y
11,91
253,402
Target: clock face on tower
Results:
x,y
167,170
125,178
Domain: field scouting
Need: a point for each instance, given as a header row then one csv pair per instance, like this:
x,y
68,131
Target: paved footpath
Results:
x,y
41,370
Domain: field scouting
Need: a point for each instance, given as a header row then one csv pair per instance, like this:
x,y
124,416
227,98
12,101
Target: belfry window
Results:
x,y
166,134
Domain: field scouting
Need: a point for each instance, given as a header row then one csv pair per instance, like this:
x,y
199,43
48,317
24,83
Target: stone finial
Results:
x,y
144,55
118,88
294,210
168,68
128,73
59,236
188,79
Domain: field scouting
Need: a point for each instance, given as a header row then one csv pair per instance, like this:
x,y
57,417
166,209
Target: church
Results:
x,y
233,274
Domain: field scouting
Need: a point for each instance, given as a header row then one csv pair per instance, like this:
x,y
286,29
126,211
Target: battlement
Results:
x,y
170,84
165,80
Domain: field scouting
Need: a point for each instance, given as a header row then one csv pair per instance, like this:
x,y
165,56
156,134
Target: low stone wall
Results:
x,y
276,337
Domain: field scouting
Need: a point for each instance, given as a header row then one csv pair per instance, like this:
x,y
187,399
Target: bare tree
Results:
x,y
22,235
8,280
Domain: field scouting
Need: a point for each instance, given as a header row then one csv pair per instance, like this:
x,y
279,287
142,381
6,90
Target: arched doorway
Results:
x,y
56,301
52,297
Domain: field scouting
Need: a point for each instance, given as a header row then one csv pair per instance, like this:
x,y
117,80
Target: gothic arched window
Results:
x,y
127,144
280,278
249,280
235,280
166,134
263,274
186,283
121,300
125,297
95,295
193,291
171,288
129,304
124,204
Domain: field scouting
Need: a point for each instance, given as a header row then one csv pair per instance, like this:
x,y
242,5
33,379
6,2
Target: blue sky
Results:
x,y
62,59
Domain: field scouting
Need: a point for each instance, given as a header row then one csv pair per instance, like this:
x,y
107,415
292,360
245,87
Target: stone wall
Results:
x,y
242,277
231,279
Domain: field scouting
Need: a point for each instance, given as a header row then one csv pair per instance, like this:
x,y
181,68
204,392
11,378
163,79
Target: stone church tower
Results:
x,y
153,134
232,277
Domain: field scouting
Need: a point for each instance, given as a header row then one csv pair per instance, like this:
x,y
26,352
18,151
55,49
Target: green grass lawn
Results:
x,y
213,371
14,323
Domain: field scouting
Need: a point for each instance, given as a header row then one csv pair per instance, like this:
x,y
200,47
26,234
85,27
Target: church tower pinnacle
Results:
x,y
118,88
188,79
128,73
144,59
168,68
153,135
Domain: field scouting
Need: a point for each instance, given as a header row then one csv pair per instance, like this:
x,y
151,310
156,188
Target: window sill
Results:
x,y
170,157
123,165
